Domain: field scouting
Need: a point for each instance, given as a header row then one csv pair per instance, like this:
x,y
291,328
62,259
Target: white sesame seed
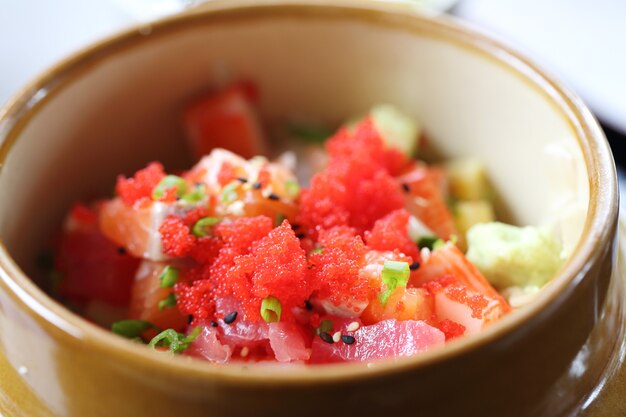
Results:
x,y
22,370
425,254
337,337
353,327
244,351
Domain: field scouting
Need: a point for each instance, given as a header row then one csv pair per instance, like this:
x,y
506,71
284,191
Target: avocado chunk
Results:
x,y
510,255
398,130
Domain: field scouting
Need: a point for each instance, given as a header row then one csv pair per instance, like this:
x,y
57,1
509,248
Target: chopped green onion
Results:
x,y
279,219
170,181
271,309
427,242
325,326
312,134
395,274
229,193
439,243
202,226
174,341
131,328
197,194
292,188
169,302
316,250
168,277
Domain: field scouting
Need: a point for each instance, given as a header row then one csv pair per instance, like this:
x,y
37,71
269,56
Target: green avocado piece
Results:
x,y
510,255
396,128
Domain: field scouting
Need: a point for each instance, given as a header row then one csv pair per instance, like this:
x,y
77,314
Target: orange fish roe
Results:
x,y
367,143
451,329
176,237
228,273
280,269
334,272
140,186
205,250
194,215
454,290
196,299
356,189
390,233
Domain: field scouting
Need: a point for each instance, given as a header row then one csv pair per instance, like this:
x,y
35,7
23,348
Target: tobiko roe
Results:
x,y
236,260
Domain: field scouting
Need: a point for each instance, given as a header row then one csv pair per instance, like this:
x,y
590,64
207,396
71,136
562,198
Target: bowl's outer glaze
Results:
x,y
55,364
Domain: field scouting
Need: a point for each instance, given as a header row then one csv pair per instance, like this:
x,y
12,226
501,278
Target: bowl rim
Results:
x,y
598,229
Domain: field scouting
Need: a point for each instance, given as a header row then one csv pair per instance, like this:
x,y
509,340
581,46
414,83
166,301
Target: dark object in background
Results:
x,y
617,140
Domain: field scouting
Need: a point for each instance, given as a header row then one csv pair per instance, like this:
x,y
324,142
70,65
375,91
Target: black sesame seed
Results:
x,y
273,196
326,337
242,180
189,319
121,250
295,226
300,235
406,187
414,266
213,324
230,317
257,185
347,339
308,305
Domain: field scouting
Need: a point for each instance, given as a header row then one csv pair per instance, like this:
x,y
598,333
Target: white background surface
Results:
x,y
581,41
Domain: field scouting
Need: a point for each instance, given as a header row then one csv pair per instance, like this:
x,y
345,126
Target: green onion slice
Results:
x,y
325,326
174,341
170,181
168,277
395,274
169,302
131,328
292,188
279,219
198,193
271,309
203,226
229,193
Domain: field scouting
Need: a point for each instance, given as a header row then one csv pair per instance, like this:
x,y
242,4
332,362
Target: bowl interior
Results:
x,y
112,109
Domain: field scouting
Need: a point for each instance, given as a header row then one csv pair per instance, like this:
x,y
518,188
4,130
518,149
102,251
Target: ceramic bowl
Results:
x,y
115,106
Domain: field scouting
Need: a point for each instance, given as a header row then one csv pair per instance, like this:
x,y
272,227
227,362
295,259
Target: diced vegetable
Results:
x,y
468,180
398,130
510,255
131,328
470,213
271,309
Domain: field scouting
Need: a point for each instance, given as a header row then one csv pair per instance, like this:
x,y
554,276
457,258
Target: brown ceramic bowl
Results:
x,y
113,107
